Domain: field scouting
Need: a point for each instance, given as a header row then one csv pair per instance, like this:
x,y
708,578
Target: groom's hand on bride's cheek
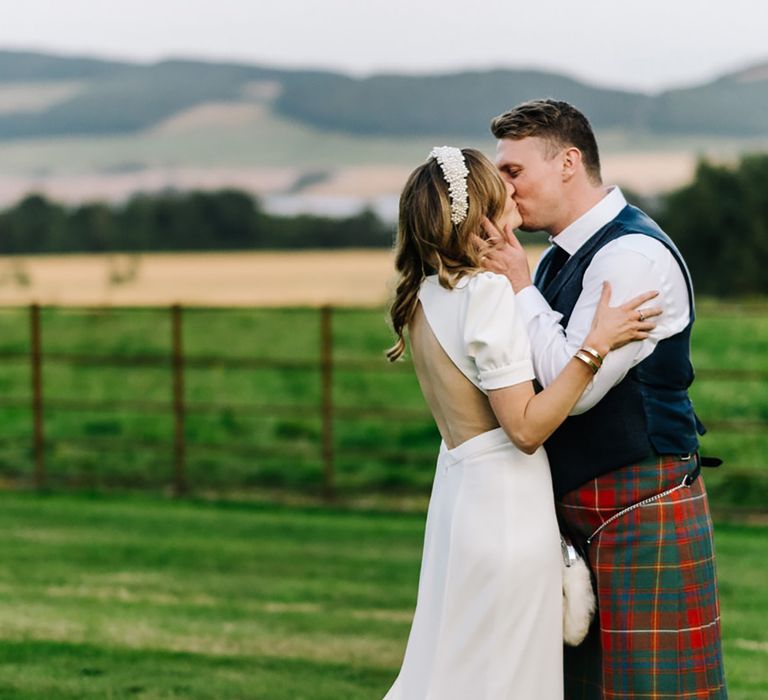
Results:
x,y
506,256
487,251
484,249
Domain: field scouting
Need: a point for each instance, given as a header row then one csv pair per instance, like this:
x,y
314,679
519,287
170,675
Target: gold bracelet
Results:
x,y
587,360
591,351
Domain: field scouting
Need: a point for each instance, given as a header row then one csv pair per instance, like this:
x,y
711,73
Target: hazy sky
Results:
x,y
648,45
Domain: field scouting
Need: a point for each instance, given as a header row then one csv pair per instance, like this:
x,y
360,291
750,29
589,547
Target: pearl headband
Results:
x,y
451,162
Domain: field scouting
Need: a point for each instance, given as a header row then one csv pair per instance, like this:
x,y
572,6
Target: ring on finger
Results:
x,y
642,317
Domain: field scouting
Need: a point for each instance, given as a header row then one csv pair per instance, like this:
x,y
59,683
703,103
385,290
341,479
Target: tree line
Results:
x,y
176,221
719,221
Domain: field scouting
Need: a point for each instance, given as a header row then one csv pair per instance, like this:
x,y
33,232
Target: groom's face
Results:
x,y
536,172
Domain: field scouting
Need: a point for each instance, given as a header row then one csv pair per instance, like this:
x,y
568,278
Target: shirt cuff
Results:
x,y
531,303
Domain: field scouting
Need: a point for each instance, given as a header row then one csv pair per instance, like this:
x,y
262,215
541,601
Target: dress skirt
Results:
x,y
488,619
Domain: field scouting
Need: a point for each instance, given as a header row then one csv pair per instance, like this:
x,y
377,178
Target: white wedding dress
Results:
x,y
488,619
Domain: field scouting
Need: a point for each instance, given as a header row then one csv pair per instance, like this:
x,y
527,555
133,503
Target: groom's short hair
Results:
x,y
558,122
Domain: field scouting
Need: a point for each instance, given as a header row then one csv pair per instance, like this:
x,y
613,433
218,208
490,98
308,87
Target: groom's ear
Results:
x,y
571,163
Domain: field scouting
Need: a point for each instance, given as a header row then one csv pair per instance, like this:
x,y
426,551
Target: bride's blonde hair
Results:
x,y
428,242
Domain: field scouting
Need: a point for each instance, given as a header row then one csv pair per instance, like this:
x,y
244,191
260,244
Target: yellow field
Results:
x,y
356,277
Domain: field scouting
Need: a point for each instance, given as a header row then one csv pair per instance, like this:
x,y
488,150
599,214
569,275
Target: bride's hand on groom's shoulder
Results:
x,y
501,252
615,326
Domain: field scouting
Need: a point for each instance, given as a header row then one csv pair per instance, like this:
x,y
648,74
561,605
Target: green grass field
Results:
x,y
140,597
234,445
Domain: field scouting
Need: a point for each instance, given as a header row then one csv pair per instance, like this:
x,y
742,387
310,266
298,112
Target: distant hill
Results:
x,y
733,105
119,97
113,97
18,66
460,103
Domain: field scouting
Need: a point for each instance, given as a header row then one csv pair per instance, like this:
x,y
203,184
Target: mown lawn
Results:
x,y
140,597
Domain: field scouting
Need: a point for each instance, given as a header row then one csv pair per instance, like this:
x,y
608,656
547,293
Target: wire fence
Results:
x,y
175,363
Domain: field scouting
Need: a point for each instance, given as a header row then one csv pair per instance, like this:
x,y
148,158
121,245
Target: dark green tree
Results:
x,y
32,226
720,223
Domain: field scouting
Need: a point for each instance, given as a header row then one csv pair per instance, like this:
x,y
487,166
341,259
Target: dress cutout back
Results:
x,y
459,408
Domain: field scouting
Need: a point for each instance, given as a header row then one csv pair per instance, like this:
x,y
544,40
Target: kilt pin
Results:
x,y
656,634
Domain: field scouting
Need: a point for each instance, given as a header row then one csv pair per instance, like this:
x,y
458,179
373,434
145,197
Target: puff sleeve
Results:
x,y
494,334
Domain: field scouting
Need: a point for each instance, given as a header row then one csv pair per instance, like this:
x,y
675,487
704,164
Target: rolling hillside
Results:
x,y
83,129
108,97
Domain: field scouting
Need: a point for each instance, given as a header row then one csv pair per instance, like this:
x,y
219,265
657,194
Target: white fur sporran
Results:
x,y
578,595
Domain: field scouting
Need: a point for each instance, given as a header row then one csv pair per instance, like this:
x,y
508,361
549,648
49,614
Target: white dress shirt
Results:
x,y
633,264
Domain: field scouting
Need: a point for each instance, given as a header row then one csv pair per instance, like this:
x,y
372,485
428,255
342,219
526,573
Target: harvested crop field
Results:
x,y
339,277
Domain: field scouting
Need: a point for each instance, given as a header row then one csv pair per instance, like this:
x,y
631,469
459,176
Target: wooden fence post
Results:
x,y
326,371
36,361
179,448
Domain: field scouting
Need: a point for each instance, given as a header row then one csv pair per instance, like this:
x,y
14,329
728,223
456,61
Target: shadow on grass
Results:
x,y
41,670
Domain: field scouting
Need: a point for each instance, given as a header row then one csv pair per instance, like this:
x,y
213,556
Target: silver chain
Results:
x,y
683,485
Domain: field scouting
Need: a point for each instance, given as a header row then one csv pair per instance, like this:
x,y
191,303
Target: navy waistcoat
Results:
x,y
649,410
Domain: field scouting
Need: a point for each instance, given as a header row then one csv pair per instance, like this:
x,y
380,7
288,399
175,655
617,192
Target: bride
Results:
x,y
488,620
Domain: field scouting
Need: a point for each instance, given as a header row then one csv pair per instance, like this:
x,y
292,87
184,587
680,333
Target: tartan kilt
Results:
x,y
657,630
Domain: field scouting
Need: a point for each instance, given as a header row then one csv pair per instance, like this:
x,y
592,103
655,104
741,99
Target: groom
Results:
x,y
632,437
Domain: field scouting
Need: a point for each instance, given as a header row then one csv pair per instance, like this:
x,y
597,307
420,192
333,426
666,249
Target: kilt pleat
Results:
x,y
657,631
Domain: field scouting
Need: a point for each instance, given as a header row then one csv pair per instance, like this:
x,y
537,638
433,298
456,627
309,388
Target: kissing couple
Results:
x,y
559,413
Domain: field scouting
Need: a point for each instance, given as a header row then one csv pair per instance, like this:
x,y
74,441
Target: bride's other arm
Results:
x,y
529,418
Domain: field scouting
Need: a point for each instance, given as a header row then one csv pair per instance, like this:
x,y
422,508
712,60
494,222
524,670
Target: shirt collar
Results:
x,y
576,234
